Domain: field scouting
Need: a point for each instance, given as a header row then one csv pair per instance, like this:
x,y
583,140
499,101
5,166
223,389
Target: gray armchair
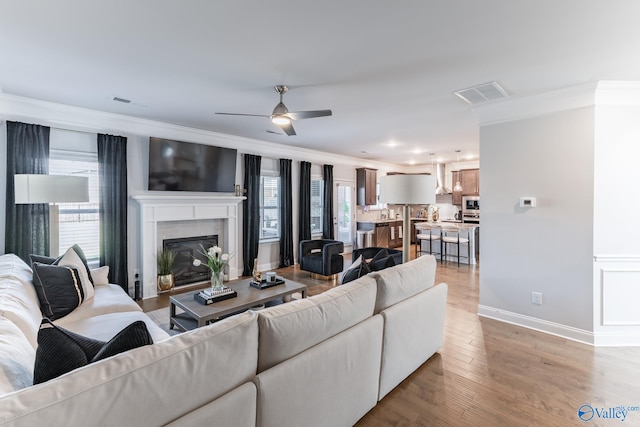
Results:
x,y
321,256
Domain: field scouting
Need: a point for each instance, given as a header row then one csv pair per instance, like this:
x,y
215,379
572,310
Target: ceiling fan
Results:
x,y
281,115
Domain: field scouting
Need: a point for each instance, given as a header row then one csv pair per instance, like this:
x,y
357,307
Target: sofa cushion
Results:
x,y
358,269
60,351
407,343
107,299
289,329
105,326
398,283
332,384
173,377
59,289
17,357
18,298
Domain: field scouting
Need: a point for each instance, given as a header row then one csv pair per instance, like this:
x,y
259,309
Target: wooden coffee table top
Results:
x,y
247,297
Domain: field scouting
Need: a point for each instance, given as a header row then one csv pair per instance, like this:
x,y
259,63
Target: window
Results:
x,y
79,222
317,201
269,207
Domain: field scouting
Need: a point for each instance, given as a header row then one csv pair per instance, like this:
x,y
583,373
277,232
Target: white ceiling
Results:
x,y
387,69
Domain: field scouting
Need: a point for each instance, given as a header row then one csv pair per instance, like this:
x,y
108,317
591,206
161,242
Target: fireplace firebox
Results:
x,y
188,248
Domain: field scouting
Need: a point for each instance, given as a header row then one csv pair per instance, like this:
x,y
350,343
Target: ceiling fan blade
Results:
x,y
241,114
288,129
297,115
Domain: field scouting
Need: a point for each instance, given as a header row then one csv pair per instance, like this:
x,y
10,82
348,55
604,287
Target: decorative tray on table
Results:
x,y
264,284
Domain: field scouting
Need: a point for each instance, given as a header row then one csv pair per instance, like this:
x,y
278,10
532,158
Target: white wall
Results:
x,y
549,248
616,270
138,132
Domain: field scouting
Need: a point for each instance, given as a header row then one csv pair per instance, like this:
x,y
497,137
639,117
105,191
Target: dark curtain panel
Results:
x,y
286,214
27,226
251,212
112,159
327,215
304,217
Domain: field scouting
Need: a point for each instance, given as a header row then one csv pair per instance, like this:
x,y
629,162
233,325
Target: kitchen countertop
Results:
x,y
444,223
384,221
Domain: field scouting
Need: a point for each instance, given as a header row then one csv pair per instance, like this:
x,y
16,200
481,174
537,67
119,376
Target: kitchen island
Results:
x,y
474,239
388,234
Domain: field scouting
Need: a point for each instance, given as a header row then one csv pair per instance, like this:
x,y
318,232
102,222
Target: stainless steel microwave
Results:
x,y
470,203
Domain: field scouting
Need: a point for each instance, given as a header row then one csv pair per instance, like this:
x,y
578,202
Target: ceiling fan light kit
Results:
x,y
281,115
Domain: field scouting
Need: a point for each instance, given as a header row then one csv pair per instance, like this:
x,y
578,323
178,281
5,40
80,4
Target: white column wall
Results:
x,y
549,248
616,269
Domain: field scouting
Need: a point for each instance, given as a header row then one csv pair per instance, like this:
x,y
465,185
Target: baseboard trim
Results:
x,y
540,325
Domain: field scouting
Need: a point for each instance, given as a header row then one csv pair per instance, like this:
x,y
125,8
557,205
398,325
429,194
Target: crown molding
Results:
x,y
81,119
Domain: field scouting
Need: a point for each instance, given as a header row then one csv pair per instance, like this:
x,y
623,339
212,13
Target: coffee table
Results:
x,y
196,315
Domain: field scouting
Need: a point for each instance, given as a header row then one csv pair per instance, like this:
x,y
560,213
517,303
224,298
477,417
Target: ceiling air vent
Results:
x,y
481,93
125,101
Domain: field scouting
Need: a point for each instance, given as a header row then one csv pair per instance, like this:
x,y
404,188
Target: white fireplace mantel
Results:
x,y
155,208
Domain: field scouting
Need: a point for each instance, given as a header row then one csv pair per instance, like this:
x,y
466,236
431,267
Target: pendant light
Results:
x,y
457,187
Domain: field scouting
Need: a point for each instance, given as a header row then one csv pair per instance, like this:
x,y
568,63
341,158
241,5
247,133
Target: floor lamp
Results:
x,y
31,189
406,190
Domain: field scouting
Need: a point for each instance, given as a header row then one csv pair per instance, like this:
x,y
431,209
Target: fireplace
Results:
x,y
156,209
184,272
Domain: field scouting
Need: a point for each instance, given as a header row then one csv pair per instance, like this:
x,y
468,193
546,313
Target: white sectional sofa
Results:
x,y
324,360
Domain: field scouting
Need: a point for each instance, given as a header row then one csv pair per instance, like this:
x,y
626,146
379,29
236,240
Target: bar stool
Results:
x,y
451,236
427,233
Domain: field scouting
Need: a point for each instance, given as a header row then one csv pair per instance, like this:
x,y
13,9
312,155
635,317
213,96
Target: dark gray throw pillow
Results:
x,y
381,264
381,254
42,259
60,351
59,289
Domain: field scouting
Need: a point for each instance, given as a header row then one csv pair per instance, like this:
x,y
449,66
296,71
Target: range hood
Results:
x,y
440,188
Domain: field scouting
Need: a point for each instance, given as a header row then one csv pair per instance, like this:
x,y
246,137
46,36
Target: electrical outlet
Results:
x,y
536,298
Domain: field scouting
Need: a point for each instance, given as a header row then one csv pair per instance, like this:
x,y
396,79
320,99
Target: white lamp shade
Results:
x,y
51,189
408,189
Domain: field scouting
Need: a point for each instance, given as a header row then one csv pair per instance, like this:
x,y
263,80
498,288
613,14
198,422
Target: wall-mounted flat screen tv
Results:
x,y
187,166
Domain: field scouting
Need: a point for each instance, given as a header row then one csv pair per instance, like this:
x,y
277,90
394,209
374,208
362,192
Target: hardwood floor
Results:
x,y
490,373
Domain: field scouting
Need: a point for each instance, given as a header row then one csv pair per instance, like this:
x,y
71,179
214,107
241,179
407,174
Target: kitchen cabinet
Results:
x,y
470,182
366,181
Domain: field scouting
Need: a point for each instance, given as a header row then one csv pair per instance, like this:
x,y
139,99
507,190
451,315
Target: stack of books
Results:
x,y
207,296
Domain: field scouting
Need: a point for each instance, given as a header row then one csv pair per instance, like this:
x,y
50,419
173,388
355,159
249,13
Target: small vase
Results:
x,y
216,281
165,282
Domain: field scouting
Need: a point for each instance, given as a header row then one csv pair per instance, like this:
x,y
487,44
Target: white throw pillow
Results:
x,y
72,259
100,275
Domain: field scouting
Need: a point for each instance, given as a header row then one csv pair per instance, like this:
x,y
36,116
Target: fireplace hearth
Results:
x,y
187,248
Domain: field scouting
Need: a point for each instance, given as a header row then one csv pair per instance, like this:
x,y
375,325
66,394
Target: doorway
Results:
x,y
344,213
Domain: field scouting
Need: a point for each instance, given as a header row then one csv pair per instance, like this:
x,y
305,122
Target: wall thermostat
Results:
x,y
527,202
